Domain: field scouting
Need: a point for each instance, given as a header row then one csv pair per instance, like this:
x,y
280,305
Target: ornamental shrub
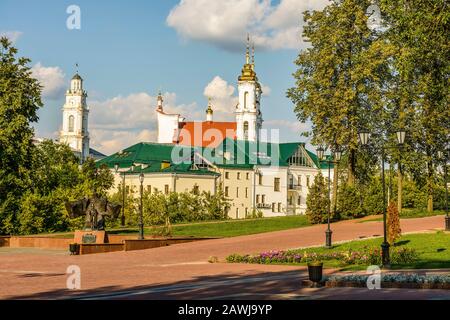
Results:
x,y
317,201
350,202
393,223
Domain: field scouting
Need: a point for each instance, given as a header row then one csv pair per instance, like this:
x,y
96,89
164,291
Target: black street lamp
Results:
x,y
337,158
141,217
122,218
443,156
364,140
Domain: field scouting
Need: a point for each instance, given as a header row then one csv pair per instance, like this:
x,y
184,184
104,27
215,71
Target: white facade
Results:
x,y
75,118
168,124
248,114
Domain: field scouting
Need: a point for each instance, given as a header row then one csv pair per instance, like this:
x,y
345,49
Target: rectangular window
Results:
x,y
260,179
227,175
291,181
290,200
246,212
166,189
227,189
239,176
257,198
246,192
299,200
263,198
248,176
237,192
276,184
273,206
149,189
279,206
307,181
237,213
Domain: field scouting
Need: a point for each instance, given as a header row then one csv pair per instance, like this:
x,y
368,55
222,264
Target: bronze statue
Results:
x,y
95,210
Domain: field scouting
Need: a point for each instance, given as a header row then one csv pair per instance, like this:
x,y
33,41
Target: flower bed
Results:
x,y
367,256
391,280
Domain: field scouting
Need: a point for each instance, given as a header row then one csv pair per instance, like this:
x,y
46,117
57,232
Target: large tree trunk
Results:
x,y
335,188
430,187
400,188
351,167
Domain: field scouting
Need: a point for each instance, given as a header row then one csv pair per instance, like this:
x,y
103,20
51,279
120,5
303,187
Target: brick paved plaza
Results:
x,y
182,271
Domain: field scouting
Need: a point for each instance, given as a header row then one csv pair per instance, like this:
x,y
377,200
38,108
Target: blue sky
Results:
x,y
127,50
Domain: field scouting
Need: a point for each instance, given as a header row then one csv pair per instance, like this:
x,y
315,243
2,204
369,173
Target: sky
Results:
x,y
129,50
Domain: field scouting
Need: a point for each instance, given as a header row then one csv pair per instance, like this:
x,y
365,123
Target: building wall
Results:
x,y
167,127
240,190
298,190
274,201
166,182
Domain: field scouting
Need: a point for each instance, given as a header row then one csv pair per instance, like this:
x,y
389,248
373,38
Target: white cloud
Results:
x,y
52,80
265,90
293,126
225,23
13,36
120,122
223,99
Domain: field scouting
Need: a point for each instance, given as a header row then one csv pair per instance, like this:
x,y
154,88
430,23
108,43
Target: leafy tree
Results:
x,y
317,201
97,180
419,31
350,202
19,103
339,81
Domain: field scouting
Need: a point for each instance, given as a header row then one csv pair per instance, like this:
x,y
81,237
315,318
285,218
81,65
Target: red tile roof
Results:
x,y
206,134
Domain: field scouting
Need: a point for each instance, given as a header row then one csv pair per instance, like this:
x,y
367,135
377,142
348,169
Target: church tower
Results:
x,y
248,114
75,119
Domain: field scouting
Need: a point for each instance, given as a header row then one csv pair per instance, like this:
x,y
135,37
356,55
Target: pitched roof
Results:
x,y
206,134
153,158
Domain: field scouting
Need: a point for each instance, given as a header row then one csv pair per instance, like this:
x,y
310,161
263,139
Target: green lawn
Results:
x,y
433,250
219,229
409,214
234,228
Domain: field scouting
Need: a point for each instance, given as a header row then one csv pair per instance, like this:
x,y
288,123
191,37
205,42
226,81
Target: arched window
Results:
x,y
71,123
246,130
245,99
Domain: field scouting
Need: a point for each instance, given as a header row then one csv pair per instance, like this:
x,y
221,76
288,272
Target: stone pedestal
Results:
x,y
90,237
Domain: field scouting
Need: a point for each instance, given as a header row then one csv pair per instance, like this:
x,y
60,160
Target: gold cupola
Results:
x,y
248,71
209,111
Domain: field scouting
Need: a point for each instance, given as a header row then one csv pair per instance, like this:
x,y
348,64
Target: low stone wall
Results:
x,y
39,242
100,248
396,285
4,241
131,245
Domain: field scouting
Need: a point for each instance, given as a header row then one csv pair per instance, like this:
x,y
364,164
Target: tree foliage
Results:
x,y
317,201
19,103
393,223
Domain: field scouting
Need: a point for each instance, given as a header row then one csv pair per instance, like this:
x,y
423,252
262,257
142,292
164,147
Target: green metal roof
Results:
x,y
233,154
151,157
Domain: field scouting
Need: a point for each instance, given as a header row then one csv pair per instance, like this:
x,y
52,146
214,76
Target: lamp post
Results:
x,y
141,217
337,158
122,218
443,156
364,137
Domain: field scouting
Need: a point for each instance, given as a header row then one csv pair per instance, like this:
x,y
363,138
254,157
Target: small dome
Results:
x,y
77,77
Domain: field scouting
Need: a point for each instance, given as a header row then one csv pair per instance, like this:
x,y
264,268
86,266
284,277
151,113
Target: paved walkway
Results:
x,y
182,271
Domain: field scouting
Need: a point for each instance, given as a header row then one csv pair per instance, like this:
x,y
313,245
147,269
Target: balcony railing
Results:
x,y
294,187
263,205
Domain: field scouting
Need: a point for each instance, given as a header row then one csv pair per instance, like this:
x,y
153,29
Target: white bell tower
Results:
x,y
75,118
248,114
